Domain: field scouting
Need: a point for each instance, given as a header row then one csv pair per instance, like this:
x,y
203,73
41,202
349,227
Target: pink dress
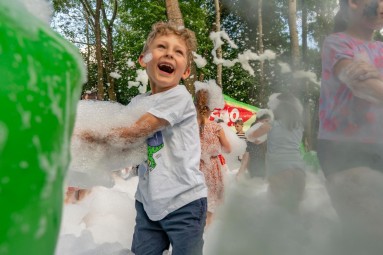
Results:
x,y
210,164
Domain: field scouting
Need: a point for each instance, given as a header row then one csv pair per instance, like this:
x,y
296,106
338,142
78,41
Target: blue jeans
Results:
x,y
183,229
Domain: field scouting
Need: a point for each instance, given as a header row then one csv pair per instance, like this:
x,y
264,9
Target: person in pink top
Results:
x,y
350,138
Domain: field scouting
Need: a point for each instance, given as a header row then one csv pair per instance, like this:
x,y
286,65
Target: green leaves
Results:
x,y
239,18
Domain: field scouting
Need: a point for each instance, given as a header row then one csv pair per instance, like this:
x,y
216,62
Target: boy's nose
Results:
x,y
169,54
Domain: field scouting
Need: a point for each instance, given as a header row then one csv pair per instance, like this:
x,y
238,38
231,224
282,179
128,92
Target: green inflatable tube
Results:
x,y
40,84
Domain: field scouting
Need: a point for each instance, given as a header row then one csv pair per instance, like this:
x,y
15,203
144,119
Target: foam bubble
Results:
x,y
147,58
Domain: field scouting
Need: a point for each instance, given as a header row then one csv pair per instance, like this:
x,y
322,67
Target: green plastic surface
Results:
x,y
40,84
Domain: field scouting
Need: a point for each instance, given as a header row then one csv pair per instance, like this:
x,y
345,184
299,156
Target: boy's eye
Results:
x,y
161,46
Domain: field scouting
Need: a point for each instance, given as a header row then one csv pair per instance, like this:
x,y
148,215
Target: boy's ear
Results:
x,y
186,73
141,61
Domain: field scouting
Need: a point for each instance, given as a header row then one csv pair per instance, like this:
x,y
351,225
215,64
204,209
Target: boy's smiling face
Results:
x,y
166,62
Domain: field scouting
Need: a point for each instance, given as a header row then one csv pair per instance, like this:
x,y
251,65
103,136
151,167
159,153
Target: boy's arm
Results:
x,y
364,79
144,126
147,124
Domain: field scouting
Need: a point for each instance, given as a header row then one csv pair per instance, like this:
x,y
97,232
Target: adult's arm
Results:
x,y
262,130
226,147
364,79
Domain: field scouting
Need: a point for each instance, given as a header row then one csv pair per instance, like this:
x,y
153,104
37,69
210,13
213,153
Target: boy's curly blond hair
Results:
x,y
165,28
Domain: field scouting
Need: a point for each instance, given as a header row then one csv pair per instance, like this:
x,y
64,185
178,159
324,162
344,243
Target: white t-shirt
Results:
x,y
172,177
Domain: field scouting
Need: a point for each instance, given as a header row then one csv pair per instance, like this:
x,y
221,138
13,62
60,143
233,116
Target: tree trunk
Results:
x,y
309,134
304,33
96,14
294,34
219,50
262,86
100,67
88,45
174,14
109,65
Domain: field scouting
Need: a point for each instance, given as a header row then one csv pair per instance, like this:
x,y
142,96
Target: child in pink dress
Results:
x,y
213,141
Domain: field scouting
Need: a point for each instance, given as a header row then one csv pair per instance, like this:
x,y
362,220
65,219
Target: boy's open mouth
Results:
x,y
166,67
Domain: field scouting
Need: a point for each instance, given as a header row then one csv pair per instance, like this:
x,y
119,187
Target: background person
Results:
x,y
254,158
213,141
350,138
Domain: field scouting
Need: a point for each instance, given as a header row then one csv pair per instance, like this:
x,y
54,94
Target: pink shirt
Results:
x,y
342,116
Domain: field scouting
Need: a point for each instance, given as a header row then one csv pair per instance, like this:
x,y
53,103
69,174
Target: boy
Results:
x,y
171,195
239,128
